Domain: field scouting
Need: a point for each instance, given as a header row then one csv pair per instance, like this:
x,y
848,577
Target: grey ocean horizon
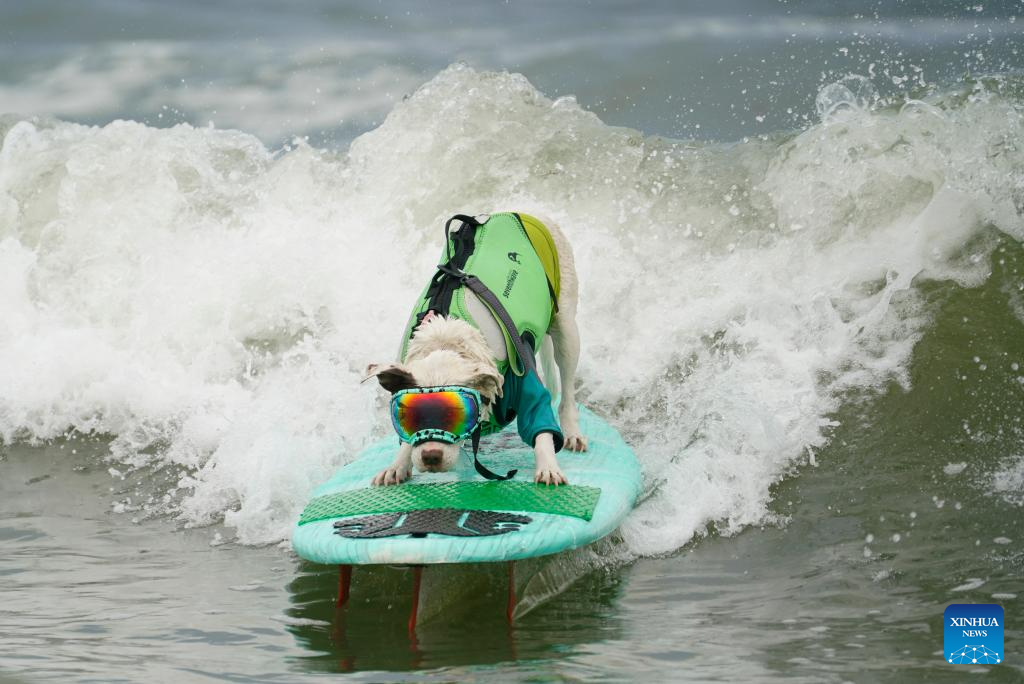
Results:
x,y
214,214
330,71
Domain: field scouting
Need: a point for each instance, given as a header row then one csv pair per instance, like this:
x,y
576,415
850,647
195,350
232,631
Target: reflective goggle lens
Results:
x,y
433,411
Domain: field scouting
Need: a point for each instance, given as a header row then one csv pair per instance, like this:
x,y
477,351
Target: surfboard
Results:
x,y
458,517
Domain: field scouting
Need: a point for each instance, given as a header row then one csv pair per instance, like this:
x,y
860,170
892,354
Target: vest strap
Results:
x,y
523,350
483,470
442,287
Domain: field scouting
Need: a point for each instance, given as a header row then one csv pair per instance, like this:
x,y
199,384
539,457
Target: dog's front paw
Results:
x,y
392,475
576,442
549,476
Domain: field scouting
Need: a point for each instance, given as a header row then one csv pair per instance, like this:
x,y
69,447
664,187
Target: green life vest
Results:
x,y
515,257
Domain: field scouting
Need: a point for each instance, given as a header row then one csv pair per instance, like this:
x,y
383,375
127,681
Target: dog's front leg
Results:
x,y
399,470
547,470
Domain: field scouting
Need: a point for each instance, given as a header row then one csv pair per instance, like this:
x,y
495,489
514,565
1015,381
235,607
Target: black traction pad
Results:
x,y
449,522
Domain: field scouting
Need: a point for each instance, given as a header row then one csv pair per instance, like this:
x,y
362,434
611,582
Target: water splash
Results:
x,y
211,304
853,93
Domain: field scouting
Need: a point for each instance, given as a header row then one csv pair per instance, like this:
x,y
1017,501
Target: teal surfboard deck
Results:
x,y
604,483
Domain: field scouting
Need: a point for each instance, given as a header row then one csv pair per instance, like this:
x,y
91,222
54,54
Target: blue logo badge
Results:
x,y
973,634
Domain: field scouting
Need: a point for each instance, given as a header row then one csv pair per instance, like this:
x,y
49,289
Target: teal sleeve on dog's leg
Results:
x,y
534,414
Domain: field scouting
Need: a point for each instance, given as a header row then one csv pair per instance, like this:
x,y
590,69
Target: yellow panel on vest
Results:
x,y
544,245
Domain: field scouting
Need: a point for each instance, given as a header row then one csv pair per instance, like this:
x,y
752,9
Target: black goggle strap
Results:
x,y
480,467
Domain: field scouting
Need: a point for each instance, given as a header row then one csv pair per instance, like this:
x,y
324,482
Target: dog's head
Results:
x,y
441,367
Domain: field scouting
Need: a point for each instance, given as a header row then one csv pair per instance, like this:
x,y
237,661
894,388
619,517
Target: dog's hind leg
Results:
x,y
565,336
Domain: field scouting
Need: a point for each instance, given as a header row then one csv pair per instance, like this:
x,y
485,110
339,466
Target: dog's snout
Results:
x,y
432,457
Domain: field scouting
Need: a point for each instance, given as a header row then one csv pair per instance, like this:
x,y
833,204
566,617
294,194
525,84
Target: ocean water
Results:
x,y
798,228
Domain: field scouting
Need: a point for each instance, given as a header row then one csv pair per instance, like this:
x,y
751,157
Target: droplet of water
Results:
x,y
852,92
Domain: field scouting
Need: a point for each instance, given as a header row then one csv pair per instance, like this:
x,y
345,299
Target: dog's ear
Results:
x,y
393,377
488,382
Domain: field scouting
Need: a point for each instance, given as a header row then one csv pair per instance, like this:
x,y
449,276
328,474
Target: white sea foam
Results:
x,y
213,304
1007,482
971,584
299,622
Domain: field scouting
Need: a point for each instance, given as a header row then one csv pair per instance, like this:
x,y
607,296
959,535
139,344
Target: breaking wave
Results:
x,y
210,304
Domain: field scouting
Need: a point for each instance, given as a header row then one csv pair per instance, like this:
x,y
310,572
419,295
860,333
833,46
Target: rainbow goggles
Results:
x,y
446,413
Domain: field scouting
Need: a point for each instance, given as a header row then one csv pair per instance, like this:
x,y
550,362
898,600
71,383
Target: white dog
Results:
x,y
447,351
